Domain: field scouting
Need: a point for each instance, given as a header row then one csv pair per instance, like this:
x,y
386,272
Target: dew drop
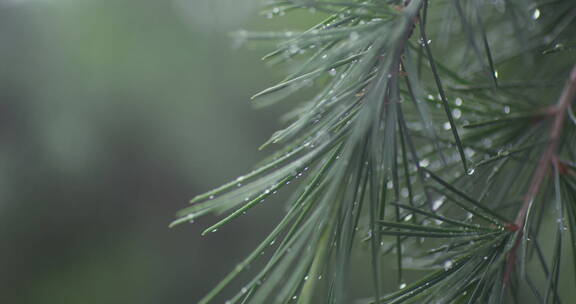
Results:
x,y
536,14
447,126
402,286
305,278
447,265
389,185
332,72
211,197
408,217
320,277
404,192
457,113
324,56
470,171
458,101
294,49
244,290
424,163
496,74
438,203
507,109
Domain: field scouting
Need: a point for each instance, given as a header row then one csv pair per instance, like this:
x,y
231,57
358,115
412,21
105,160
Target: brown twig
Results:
x,y
549,157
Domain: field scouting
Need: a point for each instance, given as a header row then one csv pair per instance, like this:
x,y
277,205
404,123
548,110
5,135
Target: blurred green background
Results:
x,y
113,114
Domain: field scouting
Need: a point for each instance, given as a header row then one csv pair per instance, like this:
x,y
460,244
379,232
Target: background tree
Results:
x,y
441,137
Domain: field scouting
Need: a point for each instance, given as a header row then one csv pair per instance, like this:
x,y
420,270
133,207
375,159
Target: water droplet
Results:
x,y
536,14
404,192
447,126
458,101
211,197
244,290
470,171
389,185
332,72
320,277
275,10
496,74
424,163
469,152
507,109
294,49
457,113
239,185
324,56
305,278
438,203
402,286
408,217
447,265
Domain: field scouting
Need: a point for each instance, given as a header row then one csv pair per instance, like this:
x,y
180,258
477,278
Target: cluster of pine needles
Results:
x,y
436,161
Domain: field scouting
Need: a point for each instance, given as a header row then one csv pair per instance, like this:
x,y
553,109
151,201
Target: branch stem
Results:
x,y
558,115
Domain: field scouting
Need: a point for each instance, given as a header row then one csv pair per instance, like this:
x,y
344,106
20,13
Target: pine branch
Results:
x,y
374,170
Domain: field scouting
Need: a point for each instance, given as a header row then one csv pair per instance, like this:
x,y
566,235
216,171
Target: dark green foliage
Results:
x,y
442,138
